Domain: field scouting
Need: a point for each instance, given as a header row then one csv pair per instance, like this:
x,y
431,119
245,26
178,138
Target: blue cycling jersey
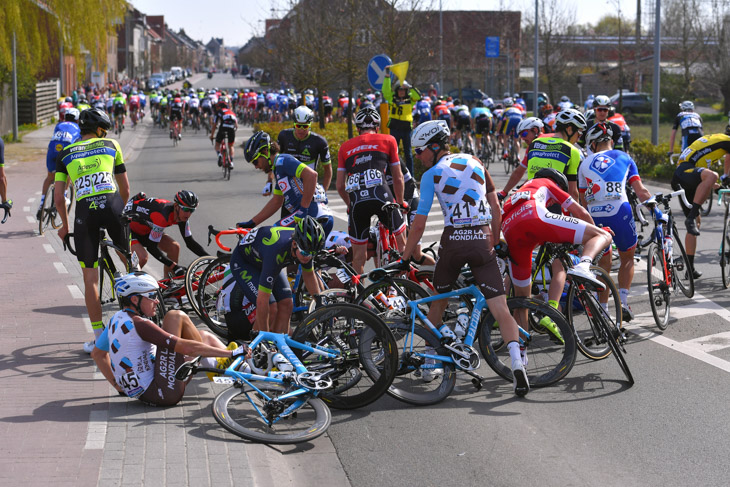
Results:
x,y
65,133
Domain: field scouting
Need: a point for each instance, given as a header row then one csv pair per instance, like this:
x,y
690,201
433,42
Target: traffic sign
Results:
x,y
492,46
376,70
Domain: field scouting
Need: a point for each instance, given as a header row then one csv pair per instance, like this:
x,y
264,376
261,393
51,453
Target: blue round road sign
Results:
x,y
376,70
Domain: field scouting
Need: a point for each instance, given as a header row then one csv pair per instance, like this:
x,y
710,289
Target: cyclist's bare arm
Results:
x,y
309,180
327,178
104,364
398,184
414,235
641,192
496,210
340,185
269,209
122,184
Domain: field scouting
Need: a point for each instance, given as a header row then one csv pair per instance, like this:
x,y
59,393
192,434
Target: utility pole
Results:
x,y
441,50
535,79
657,73
637,49
15,93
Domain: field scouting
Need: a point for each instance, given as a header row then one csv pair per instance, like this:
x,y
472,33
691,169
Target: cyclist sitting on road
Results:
x,y
602,178
362,163
295,189
139,359
90,163
227,122
694,176
469,204
691,124
528,221
64,133
151,217
258,264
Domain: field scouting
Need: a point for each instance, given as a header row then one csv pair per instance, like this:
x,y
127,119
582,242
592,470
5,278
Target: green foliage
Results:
x,y
652,160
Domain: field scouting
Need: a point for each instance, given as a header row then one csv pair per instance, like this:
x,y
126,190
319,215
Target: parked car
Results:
x,y
542,99
169,77
156,81
177,72
468,95
633,103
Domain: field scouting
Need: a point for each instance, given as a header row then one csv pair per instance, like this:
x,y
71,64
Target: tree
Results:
x,y
38,24
682,22
716,22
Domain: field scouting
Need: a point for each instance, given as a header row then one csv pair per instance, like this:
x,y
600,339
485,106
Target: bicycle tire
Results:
x,y
242,419
725,250
548,361
47,211
616,349
365,343
588,337
706,207
659,294
683,277
207,296
506,162
192,277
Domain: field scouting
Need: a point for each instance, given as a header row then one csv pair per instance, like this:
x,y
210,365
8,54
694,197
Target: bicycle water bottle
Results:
x,y
462,323
447,333
668,247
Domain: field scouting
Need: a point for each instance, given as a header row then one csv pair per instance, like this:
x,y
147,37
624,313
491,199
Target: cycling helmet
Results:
x,y
589,115
556,176
222,104
91,118
611,111
401,84
309,235
570,117
727,130
480,104
600,132
72,115
687,106
367,117
430,132
530,123
68,100
516,95
255,144
186,198
601,101
303,114
564,98
137,282
508,102
134,92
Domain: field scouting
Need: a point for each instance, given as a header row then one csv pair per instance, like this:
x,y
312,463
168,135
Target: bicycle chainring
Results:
x,y
471,362
315,381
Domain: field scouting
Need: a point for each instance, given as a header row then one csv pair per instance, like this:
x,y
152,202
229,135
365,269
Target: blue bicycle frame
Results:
x,y
284,344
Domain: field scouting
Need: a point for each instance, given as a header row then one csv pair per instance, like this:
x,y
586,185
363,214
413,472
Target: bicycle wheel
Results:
x,y
107,295
240,410
548,360
213,280
588,336
658,290
681,270
505,160
367,353
706,206
420,381
48,212
725,250
607,331
396,302
192,278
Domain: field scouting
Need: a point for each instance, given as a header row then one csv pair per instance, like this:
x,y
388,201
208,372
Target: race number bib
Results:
x,y
353,183
97,182
467,214
131,384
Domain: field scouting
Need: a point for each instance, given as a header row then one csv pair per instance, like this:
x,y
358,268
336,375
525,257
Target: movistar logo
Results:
x,y
274,236
280,258
246,276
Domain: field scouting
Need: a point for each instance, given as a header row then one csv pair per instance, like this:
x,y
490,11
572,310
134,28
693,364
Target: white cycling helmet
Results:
x,y
687,106
367,117
72,115
303,115
529,123
600,132
508,101
135,283
430,132
570,117
601,101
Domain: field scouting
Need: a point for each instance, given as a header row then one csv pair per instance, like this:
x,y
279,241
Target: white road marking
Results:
x,y
30,219
31,200
96,433
75,291
60,268
87,323
48,248
26,208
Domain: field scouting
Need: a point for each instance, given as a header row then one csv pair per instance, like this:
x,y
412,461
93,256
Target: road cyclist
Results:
x,y
64,133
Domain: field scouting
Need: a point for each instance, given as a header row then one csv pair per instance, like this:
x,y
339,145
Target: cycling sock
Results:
x,y
553,303
98,327
691,259
586,260
695,211
514,351
624,293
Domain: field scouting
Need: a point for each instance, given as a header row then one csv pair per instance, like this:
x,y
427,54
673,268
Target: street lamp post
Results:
x,y
535,80
657,74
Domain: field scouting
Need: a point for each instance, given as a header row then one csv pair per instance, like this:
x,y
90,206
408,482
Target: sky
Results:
x,y
236,21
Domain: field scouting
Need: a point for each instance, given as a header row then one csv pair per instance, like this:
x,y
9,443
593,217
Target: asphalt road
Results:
x,y
590,429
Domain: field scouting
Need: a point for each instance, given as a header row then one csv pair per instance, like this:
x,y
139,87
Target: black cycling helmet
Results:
x,y
91,118
556,176
255,144
367,117
186,198
309,235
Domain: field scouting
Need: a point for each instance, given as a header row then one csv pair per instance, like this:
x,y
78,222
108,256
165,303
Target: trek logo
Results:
x,y
362,148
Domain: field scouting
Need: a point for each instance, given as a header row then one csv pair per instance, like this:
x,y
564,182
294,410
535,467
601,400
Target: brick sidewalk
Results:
x,y
61,422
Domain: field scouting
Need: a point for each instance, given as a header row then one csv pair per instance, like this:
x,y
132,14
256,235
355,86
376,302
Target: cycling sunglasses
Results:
x,y
602,109
152,295
419,150
302,125
185,208
524,133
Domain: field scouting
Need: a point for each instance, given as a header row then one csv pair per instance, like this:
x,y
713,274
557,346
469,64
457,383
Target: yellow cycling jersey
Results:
x,y
705,150
91,165
553,152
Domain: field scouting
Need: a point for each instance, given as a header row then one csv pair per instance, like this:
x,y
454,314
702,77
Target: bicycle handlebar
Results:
x,y
67,243
665,198
7,214
720,194
219,233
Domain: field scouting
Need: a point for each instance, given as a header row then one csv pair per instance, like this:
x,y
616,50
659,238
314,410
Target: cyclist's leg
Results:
x,y
170,247
142,255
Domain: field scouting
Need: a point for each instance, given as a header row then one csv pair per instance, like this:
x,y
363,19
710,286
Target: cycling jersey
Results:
x,y
143,358
423,110
705,150
134,101
287,172
152,216
511,117
553,152
478,113
461,185
691,125
527,223
311,150
91,164
602,178
64,133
